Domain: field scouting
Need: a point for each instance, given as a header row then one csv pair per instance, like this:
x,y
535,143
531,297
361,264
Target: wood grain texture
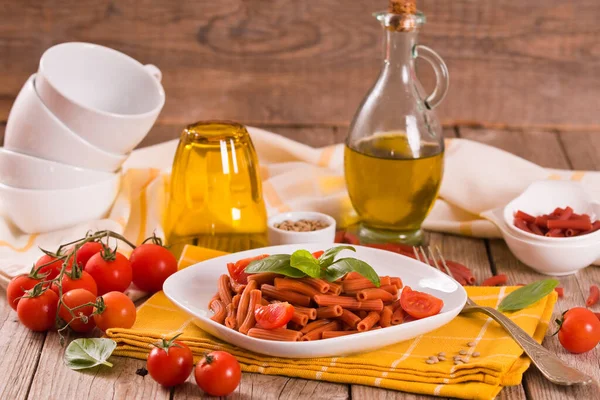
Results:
x,y
543,148
284,61
20,349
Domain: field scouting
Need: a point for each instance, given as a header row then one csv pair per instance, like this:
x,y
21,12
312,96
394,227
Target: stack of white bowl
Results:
x,y
69,131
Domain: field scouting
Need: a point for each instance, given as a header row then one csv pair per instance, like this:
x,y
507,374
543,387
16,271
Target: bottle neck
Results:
x,y
398,48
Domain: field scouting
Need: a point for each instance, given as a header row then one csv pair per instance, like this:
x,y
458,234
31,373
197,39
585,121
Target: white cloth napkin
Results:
x,y
298,177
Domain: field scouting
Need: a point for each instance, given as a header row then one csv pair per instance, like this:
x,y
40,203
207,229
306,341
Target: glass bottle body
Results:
x,y
394,151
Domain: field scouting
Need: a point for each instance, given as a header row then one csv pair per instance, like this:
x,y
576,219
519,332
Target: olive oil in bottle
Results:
x,y
216,196
391,188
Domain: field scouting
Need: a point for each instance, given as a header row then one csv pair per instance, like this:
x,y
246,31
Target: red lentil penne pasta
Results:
x,y
565,214
354,285
571,232
392,289
352,275
245,302
362,313
525,217
218,308
329,311
560,291
349,318
398,316
300,318
499,279
335,288
396,282
555,233
521,224
535,229
236,301
349,302
542,221
249,321
319,284
290,297
316,333
225,289
310,312
594,296
230,319
373,294
215,297
279,334
578,224
237,287
395,305
314,325
286,284
369,321
293,326
334,334
264,302
386,317
262,278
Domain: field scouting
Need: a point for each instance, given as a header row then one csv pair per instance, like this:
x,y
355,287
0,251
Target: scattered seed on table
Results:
x,y
430,361
471,344
456,357
462,352
475,354
434,359
458,362
442,354
442,358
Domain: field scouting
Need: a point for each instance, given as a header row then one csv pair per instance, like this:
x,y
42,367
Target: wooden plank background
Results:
x,y
512,62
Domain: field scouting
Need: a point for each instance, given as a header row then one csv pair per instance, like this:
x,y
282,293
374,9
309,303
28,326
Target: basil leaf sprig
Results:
x,y
88,353
527,295
302,263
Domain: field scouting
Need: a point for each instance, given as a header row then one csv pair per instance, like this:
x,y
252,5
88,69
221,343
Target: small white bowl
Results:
x,y
543,197
27,172
557,258
279,236
32,129
37,211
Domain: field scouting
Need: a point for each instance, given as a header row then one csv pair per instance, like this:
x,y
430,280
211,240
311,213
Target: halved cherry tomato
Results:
x,y
579,330
236,270
75,299
418,304
86,252
274,315
318,254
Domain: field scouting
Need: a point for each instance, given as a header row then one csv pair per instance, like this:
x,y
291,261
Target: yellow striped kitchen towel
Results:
x,y
400,366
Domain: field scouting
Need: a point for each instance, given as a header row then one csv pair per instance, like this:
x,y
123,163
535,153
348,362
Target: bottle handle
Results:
x,y
441,75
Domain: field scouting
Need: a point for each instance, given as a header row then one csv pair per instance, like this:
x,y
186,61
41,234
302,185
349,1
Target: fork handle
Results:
x,y
553,368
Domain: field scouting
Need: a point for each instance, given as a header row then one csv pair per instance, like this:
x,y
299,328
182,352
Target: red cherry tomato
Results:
x,y
17,287
110,275
218,373
37,311
236,270
274,315
418,304
74,299
86,252
579,330
170,363
152,264
84,281
318,254
52,269
118,311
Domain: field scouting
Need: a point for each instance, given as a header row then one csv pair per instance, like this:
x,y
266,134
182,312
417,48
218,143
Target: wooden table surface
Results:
x,y
32,366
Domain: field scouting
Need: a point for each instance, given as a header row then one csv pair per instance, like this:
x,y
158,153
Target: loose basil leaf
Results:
x,y
278,263
304,261
327,258
88,353
527,295
344,265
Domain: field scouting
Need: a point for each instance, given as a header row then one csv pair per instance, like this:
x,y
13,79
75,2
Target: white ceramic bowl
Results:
x,y
105,96
27,172
279,236
192,288
37,211
32,129
543,197
556,258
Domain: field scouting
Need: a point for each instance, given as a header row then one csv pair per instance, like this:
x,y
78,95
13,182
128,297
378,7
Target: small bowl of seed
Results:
x,y
301,227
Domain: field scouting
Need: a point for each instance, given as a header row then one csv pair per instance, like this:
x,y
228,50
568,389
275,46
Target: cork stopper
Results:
x,y
403,6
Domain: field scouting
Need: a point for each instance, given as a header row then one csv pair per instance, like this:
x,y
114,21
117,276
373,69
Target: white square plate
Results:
x,y
192,288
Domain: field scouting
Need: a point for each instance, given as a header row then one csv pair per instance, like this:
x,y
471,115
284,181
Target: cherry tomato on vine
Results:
x,y
579,330
236,270
115,310
77,279
170,362
37,310
152,264
52,269
17,287
86,252
111,270
74,299
218,373
418,304
274,315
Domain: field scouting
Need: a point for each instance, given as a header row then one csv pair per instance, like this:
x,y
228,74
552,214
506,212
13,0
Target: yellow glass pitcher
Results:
x,y
215,199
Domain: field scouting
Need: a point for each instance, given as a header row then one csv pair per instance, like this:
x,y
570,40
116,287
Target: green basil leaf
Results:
x,y
278,263
527,295
304,261
88,353
327,258
344,265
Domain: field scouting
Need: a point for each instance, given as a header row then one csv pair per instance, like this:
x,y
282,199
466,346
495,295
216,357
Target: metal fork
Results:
x,y
554,369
